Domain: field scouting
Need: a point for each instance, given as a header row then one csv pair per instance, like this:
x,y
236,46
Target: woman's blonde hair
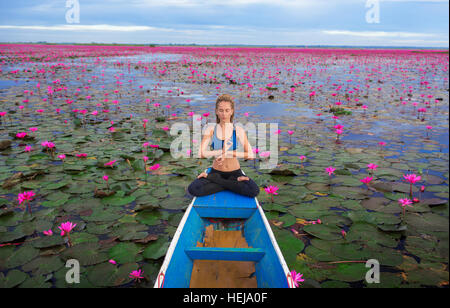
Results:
x,y
225,98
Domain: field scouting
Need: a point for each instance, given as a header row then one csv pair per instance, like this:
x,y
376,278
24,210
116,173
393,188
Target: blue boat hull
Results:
x,y
270,268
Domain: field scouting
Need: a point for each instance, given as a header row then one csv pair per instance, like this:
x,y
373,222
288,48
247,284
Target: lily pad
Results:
x,y
324,232
86,254
109,275
349,272
14,278
157,249
290,245
125,253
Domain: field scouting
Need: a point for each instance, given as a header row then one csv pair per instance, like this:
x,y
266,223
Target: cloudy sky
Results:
x,y
253,22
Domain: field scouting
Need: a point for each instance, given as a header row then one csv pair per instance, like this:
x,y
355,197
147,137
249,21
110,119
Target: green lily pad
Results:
x,y
21,256
109,275
287,219
334,284
324,232
116,200
290,245
157,249
14,278
37,282
103,215
152,218
274,207
86,254
125,253
349,272
43,265
319,254
48,241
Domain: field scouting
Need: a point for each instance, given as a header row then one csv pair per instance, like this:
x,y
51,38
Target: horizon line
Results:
x,y
230,45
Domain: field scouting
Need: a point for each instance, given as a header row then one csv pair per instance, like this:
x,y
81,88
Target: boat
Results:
x,y
224,241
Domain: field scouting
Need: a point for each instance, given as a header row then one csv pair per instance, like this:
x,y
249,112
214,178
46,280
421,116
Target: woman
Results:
x,y
226,172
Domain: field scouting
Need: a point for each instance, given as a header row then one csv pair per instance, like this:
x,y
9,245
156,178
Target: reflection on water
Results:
x,y
5,84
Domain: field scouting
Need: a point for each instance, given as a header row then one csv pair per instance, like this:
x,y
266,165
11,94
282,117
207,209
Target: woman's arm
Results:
x,y
204,152
248,152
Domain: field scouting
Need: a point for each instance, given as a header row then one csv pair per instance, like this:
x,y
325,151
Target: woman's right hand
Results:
x,y
202,175
219,159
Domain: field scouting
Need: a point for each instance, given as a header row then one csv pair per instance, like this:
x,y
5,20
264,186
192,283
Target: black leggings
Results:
x,y
220,180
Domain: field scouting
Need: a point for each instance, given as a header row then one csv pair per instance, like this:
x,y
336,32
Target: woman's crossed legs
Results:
x,y
215,183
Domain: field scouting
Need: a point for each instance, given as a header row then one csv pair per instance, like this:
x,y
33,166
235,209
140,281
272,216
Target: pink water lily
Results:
x,y
155,167
412,178
264,154
62,156
66,228
111,163
372,166
48,144
297,278
403,203
330,170
21,135
48,232
271,190
136,275
112,261
366,180
82,155
26,196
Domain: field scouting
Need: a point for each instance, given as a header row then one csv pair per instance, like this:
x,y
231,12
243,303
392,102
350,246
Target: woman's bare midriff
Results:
x,y
228,165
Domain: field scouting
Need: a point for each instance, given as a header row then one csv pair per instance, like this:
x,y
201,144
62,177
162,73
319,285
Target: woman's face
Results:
x,y
224,111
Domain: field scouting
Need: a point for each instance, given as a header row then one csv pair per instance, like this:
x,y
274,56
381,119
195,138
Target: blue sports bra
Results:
x,y
217,144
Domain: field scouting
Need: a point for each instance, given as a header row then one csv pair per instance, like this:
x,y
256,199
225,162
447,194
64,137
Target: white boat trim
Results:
x,y
159,283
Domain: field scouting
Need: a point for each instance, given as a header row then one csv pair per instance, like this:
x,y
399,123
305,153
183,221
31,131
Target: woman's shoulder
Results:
x,y
210,129
239,129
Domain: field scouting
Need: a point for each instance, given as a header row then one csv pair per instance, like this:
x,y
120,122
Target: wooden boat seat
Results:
x,y
223,260
225,204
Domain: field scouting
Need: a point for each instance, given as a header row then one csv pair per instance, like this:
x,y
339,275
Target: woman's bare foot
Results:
x,y
243,178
